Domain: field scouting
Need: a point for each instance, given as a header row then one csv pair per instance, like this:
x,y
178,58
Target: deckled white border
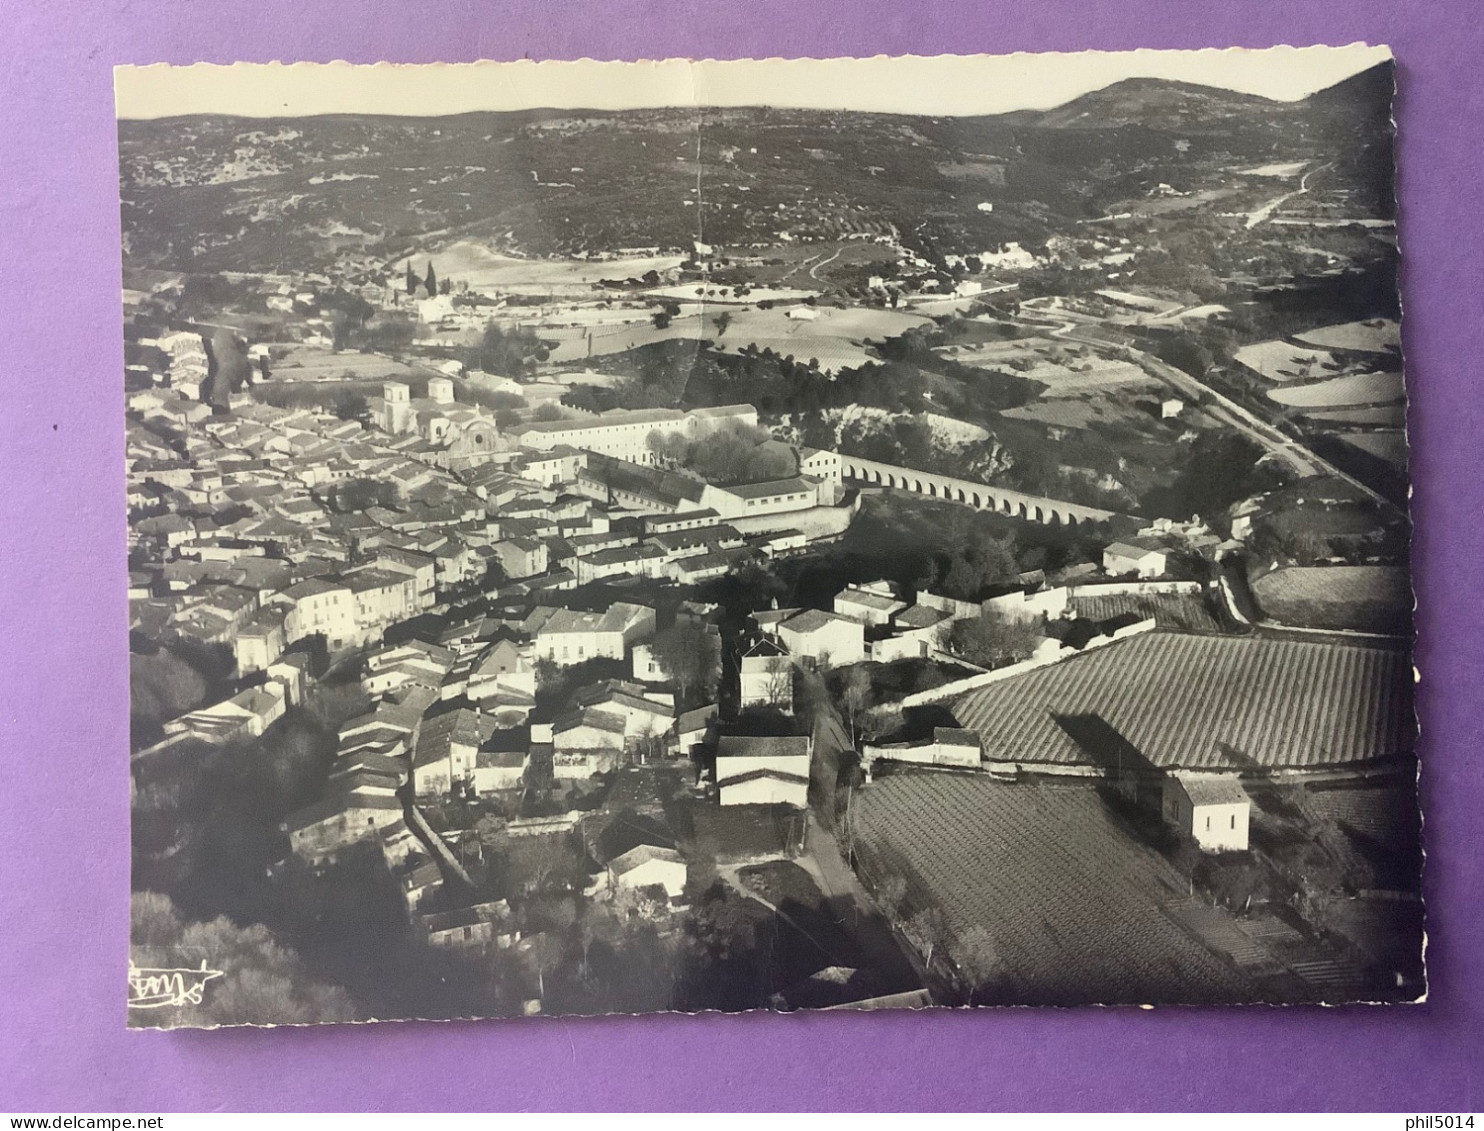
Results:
x,y
936,85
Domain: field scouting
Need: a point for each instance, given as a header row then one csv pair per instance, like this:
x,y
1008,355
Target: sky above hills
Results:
x,y
944,85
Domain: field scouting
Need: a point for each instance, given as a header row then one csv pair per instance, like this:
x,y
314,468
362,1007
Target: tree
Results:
x,y
855,698
690,657
411,283
261,981
228,367
992,641
547,411
891,894
722,321
780,686
928,929
979,960
430,283
548,672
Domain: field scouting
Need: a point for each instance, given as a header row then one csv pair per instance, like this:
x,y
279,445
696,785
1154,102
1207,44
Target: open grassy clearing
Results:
x,y
1365,598
484,268
1283,361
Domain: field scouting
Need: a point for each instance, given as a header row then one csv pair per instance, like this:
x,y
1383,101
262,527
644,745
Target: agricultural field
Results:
x,y
1282,361
1043,893
1385,416
835,337
1389,446
1080,377
1381,335
1177,612
1364,597
1352,389
312,363
1080,412
484,269
1286,169
1202,702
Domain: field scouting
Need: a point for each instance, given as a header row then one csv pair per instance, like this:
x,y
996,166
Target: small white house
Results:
x,y
820,635
1215,811
1171,407
648,865
1138,557
802,314
757,770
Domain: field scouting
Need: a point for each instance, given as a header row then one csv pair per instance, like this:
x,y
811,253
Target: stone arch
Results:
x,y
977,503
917,486
962,497
1022,511
1008,507
932,489
1055,519
1039,516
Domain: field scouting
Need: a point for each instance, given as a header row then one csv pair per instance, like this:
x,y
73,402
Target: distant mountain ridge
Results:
x,y
212,193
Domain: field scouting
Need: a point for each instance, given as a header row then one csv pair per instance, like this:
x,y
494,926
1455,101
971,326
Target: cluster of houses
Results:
x,y
262,528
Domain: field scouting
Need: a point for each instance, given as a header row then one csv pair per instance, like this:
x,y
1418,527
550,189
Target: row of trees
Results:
x,y
737,454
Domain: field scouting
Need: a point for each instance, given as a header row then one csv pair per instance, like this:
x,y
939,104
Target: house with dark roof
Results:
x,y
319,832
446,749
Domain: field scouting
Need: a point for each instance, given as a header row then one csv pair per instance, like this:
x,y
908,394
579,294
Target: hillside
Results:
x,y
217,193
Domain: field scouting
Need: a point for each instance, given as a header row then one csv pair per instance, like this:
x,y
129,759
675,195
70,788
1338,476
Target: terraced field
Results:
x,y
1073,909
1380,336
1206,702
1393,415
1390,446
1353,389
1283,361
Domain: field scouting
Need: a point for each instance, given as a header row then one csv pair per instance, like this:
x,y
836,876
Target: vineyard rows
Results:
x,y
1207,702
1072,907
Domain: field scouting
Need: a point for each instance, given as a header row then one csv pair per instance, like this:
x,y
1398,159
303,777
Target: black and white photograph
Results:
x,y
883,533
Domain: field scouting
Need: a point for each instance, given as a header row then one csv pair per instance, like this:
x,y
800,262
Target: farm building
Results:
x,y
1141,557
1213,810
818,635
872,603
648,865
754,770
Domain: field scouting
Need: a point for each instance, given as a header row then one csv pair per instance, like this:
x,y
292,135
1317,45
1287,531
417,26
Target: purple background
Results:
x,y
63,715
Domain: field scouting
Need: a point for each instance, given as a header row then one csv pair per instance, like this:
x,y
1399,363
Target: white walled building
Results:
x,y
753,770
1215,811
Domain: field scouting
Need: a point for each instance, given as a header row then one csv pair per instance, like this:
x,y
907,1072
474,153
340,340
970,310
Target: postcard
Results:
x,y
766,535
